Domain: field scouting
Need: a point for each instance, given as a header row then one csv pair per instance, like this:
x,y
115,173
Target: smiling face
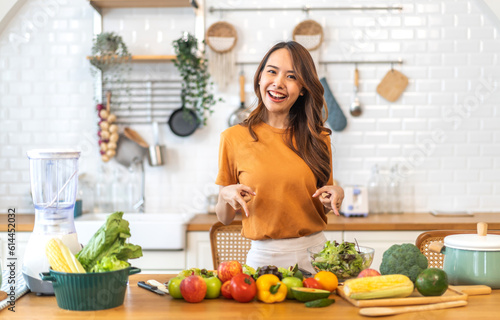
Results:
x,y
279,87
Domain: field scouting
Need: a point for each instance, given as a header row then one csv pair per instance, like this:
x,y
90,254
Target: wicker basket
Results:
x,y
221,37
309,33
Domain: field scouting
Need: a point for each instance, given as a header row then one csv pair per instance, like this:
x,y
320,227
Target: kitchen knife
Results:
x,y
146,286
158,284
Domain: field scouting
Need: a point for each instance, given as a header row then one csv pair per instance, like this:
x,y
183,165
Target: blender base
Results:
x,y
41,288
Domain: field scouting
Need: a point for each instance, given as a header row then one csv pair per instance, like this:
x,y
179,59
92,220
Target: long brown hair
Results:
x,y
306,130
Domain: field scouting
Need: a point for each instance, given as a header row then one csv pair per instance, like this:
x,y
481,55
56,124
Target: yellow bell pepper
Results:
x,y
270,289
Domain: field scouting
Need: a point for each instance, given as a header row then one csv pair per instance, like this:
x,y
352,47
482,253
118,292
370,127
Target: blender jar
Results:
x,y
54,181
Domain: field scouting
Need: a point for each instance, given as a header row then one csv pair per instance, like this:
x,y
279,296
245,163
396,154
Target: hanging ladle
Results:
x,y
356,105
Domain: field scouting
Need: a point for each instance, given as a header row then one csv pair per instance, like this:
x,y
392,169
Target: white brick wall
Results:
x,y
443,130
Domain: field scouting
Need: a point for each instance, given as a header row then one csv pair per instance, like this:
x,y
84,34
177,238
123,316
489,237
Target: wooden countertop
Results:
x,y
383,222
142,304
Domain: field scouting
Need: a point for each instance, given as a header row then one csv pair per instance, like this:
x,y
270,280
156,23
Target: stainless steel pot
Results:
x,y
471,258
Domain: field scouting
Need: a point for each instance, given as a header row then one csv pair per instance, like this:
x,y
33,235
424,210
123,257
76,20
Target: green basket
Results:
x,y
89,291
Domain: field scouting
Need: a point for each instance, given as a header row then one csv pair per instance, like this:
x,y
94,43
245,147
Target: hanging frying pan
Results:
x,y
241,113
183,121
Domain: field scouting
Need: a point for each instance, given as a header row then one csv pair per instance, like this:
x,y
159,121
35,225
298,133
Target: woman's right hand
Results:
x,y
237,196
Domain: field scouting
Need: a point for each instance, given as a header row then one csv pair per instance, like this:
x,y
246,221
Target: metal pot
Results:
x,y
471,258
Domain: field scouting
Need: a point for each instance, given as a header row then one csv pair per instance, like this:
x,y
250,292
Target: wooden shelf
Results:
x,y
151,58
99,4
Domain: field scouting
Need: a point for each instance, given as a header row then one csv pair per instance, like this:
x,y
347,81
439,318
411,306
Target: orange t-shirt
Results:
x,y
284,184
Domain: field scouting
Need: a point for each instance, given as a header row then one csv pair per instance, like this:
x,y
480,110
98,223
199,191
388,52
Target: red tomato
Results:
x,y
312,283
243,287
225,290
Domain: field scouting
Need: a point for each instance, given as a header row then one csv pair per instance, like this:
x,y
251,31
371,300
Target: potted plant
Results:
x,y
108,50
196,84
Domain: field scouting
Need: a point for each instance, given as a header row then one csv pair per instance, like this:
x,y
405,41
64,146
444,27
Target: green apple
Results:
x,y
174,287
213,287
291,282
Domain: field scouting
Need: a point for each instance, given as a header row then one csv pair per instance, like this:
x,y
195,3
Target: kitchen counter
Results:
x,y
383,222
142,304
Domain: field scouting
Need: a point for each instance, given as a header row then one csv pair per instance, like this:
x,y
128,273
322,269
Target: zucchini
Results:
x,y
320,303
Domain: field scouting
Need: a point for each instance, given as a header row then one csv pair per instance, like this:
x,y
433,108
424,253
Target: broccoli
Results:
x,y
403,259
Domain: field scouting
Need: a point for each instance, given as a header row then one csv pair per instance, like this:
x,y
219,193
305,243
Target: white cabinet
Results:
x,y
334,235
199,252
380,241
161,261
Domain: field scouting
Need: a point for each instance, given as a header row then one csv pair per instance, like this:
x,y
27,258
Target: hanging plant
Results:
x,y
111,59
196,84
108,50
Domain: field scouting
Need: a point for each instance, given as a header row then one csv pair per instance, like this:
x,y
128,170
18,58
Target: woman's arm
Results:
x,y
232,198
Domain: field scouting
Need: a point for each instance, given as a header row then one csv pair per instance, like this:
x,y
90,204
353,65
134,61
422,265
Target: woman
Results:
x,y
276,166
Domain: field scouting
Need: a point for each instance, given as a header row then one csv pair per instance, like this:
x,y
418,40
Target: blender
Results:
x,y
54,182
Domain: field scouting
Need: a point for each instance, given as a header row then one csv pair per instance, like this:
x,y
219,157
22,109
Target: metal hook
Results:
x,y
306,9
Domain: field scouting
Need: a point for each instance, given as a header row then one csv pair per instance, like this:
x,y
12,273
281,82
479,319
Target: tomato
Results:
x,y
243,287
312,283
328,280
225,290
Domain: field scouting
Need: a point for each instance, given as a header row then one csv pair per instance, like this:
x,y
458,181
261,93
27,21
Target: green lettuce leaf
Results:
x,y
109,242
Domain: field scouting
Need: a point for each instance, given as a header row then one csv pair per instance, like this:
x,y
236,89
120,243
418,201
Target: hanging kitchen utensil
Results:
x,y
221,38
336,118
356,105
156,152
309,34
135,136
392,85
241,113
128,151
183,121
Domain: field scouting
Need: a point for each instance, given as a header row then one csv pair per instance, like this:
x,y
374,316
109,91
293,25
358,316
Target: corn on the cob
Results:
x,y
60,258
387,286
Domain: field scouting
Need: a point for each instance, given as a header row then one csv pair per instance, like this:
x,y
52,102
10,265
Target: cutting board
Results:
x,y
392,85
414,299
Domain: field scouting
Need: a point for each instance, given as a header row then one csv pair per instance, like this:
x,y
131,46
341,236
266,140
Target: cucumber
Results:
x,y
320,303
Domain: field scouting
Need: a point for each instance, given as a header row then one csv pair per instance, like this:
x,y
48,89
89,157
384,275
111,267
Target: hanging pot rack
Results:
x,y
391,62
144,101
307,9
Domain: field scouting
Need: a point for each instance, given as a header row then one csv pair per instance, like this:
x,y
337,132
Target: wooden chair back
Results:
x,y
425,239
227,243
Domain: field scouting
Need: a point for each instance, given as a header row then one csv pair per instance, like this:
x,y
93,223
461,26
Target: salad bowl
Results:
x,y
346,260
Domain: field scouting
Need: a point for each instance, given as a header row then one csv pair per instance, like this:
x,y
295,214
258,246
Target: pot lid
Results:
x,y
489,242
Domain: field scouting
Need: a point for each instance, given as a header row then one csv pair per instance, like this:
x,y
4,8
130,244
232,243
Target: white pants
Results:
x,y
284,252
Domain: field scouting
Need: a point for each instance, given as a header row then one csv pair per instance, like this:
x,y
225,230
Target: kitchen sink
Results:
x,y
152,231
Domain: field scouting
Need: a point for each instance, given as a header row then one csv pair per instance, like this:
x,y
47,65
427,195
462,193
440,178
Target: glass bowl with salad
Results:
x,y
346,260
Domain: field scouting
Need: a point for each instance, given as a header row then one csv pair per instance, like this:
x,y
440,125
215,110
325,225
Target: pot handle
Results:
x,y
47,277
436,246
482,229
134,270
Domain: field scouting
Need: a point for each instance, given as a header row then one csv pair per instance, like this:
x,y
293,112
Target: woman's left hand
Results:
x,y
331,197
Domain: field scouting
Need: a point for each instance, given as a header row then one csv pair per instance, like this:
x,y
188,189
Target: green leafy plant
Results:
x,y
196,84
110,61
108,49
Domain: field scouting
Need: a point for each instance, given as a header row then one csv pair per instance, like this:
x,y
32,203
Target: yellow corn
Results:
x,y
60,258
387,286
